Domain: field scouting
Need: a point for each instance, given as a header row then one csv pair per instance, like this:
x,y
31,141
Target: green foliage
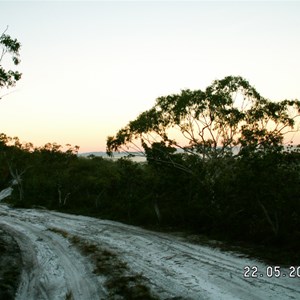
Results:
x,y
8,45
245,198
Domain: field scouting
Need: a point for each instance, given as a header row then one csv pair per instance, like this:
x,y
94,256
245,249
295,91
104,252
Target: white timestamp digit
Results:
x,y
294,272
250,272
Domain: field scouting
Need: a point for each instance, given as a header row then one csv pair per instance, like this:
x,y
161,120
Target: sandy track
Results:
x,y
173,267
52,268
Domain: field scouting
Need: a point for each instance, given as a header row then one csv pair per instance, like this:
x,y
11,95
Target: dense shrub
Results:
x,y
250,198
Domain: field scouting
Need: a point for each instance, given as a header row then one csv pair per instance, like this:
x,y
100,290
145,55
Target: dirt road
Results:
x,y
55,268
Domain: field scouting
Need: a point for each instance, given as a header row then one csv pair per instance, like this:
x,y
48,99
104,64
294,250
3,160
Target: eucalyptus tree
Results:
x,y
228,118
9,55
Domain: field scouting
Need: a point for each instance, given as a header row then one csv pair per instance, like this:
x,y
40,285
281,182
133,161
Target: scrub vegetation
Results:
x,y
10,265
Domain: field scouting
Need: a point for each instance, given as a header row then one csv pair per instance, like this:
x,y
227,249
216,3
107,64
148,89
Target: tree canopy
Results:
x,y
228,118
9,46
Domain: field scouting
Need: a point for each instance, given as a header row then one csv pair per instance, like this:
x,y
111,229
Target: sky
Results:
x,y
91,67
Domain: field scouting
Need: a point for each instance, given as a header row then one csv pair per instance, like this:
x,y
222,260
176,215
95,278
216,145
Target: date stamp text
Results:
x,y
271,271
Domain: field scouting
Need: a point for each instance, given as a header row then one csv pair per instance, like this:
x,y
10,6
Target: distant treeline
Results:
x,y
252,198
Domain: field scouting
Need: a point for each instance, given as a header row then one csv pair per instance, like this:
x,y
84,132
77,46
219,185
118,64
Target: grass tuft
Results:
x,y
69,296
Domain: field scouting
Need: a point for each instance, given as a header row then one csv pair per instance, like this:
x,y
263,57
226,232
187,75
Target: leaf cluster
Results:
x,y
10,46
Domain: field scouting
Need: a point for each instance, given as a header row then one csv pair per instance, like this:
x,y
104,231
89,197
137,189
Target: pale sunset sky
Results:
x,y
91,67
